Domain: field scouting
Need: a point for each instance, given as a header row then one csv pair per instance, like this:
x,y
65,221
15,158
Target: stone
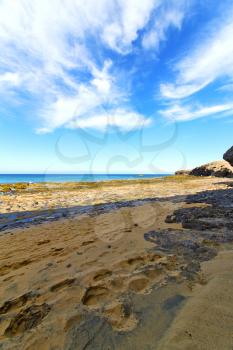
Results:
x,y
219,168
182,172
228,156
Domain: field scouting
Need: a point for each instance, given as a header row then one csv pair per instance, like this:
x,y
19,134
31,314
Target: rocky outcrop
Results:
x,y
228,156
219,169
182,172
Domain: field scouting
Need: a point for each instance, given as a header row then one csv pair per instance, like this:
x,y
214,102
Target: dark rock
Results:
x,y
204,219
182,172
228,156
191,269
218,169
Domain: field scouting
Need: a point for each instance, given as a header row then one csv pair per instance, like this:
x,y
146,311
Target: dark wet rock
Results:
x,y
219,169
188,247
173,302
93,333
27,319
228,155
218,199
191,269
204,219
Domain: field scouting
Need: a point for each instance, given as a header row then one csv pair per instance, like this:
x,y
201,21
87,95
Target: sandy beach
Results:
x,y
141,264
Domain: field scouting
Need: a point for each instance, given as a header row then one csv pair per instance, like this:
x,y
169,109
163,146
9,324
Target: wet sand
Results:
x,y
206,321
120,276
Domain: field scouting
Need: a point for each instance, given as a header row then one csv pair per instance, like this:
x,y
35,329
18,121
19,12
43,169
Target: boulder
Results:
x,y
228,156
219,168
182,172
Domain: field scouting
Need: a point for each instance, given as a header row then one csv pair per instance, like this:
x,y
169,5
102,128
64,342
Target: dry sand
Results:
x,y
92,281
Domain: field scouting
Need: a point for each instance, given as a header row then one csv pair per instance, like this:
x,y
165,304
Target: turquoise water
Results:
x,y
34,178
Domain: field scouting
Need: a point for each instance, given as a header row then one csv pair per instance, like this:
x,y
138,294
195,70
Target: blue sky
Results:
x,y
114,86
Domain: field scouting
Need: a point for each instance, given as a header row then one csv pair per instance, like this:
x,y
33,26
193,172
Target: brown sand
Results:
x,y
54,274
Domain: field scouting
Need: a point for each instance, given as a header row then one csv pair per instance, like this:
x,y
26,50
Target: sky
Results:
x,y
114,86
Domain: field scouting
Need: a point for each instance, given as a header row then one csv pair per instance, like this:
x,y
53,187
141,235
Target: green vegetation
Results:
x,y
72,186
18,187
180,178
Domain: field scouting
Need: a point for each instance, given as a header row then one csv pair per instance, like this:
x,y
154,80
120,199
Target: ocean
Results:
x,y
35,178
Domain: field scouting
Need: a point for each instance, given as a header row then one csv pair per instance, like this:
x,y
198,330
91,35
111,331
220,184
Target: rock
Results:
x,y
182,172
219,168
228,156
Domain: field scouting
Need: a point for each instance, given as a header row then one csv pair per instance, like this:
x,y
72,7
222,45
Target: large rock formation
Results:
x,y
219,168
228,156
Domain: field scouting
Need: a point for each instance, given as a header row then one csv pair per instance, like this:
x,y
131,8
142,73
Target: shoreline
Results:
x,y
40,186
103,178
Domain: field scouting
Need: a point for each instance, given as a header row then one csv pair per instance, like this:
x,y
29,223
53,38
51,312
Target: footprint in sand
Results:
x,y
138,284
27,319
62,284
120,316
102,274
95,295
13,304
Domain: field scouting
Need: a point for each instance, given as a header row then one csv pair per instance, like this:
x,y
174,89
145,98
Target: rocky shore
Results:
x,y
219,168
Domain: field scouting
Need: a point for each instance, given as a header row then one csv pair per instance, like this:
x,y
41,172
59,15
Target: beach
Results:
x,y
129,264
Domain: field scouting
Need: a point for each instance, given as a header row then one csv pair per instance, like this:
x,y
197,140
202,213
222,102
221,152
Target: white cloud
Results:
x,y
172,91
46,52
54,52
226,87
133,15
66,112
168,16
86,98
9,78
211,58
184,113
123,119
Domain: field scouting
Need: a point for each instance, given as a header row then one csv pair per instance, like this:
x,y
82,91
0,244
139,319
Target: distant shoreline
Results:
x,y
74,178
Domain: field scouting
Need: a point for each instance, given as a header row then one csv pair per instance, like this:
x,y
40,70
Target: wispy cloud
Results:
x,y
131,16
55,52
171,14
180,112
123,119
209,59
